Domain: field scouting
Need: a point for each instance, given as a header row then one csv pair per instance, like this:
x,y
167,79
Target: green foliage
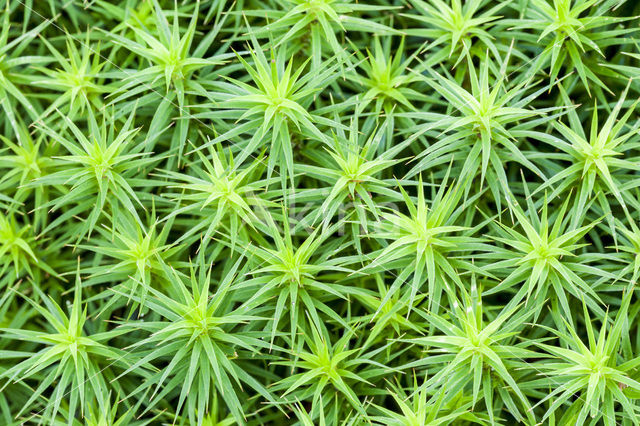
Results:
x,y
319,212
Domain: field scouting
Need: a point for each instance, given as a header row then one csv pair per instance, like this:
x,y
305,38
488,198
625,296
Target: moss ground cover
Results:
x,y
319,212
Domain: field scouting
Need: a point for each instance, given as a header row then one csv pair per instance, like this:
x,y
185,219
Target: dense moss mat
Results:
x,y
319,212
